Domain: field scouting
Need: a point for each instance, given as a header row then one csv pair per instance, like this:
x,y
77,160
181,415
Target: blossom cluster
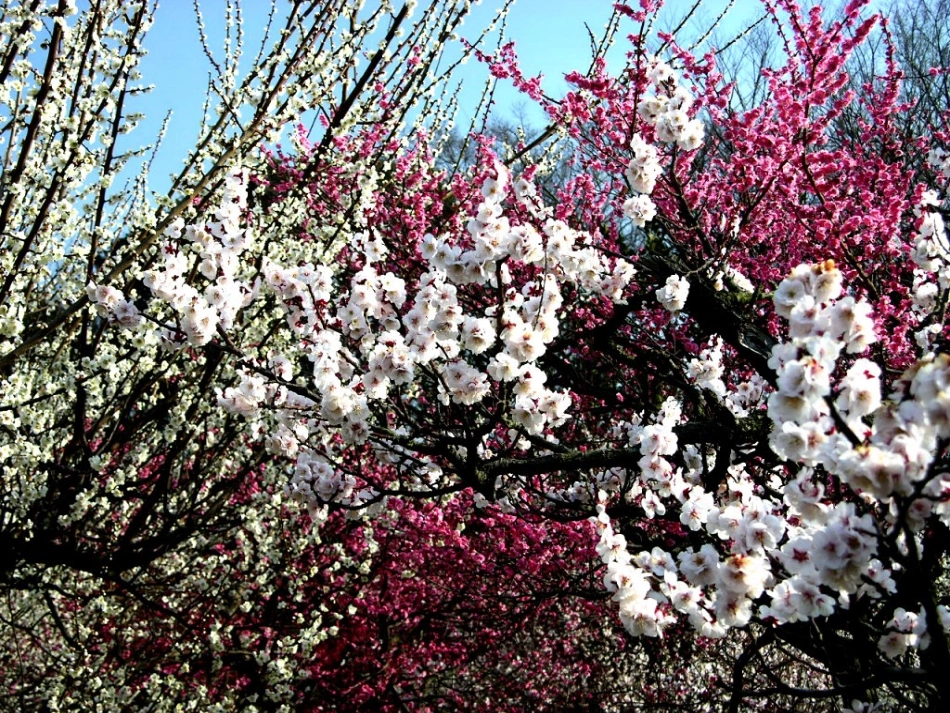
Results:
x,y
667,110
712,591
708,372
674,293
380,337
821,326
218,245
642,611
889,459
112,304
800,558
642,173
931,254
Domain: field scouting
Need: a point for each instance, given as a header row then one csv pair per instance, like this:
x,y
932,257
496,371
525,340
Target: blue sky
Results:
x,y
550,38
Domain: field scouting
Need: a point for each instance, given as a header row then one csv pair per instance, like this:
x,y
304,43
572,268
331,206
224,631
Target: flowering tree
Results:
x,y
345,340
135,513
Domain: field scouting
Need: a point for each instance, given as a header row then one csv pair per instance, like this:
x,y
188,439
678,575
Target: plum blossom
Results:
x,y
640,209
674,293
644,168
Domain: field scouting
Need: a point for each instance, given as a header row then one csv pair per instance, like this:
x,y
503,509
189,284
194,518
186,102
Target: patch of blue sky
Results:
x,y
552,38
